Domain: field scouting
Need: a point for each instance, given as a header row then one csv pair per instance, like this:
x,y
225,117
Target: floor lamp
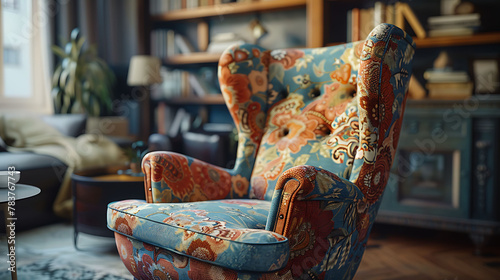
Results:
x,y
144,71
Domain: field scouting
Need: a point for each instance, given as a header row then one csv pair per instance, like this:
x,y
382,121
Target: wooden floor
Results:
x,y
399,253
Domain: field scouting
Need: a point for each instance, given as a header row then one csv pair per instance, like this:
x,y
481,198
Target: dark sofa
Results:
x,y
43,171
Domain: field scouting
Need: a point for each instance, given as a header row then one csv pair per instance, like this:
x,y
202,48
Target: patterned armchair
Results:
x,y
318,130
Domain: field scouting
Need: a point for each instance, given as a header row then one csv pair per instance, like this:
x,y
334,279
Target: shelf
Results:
x,y
476,39
193,58
229,9
209,99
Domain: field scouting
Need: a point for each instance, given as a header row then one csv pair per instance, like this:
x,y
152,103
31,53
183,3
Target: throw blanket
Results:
x,y
29,134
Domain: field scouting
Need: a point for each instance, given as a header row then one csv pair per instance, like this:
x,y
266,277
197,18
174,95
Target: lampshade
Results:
x,y
144,70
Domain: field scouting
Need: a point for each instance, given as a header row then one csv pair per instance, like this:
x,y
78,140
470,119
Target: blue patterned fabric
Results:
x,y
228,232
318,130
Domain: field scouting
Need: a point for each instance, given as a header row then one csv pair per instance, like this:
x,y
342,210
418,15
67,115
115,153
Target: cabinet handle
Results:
x,y
482,172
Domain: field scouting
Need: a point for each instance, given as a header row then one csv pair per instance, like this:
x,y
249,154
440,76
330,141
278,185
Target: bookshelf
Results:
x,y
174,19
230,9
210,99
450,41
200,15
193,58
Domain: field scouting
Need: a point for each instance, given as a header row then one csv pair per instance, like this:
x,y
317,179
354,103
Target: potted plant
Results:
x,y
82,82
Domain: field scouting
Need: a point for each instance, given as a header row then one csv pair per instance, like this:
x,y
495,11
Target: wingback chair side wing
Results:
x,y
243,76
382,87
172,177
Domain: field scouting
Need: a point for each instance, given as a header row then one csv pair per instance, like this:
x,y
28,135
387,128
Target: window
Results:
x,y
24,57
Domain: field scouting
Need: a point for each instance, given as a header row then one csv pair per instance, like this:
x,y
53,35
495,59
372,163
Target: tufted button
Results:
x,y
352,92
285,131
281,216
284,93
314,93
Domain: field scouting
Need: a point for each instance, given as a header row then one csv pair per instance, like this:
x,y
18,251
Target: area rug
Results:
x,y
48,253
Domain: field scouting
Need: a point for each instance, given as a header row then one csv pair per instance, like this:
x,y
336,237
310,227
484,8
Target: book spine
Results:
x,y
413,21
355,13
378,13
399,19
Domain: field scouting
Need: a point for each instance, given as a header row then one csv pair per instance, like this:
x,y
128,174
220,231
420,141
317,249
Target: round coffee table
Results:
x,y
93,190
20,192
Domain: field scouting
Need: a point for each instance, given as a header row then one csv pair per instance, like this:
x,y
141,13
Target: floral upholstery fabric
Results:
x,y
226,230
318,130
145,261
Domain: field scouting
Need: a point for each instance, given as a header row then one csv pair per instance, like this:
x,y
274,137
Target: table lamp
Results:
x,y
143,72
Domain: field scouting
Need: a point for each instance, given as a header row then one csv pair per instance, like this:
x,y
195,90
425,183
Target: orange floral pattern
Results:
x,y
318,131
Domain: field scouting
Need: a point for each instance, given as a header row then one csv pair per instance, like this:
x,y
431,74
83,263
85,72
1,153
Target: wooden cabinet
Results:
x,y
446,173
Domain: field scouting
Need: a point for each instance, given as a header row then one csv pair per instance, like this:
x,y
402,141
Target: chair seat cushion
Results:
x,y
228,233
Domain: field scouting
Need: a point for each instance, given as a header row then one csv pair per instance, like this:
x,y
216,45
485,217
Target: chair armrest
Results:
x,y
324,217
302,184
172,177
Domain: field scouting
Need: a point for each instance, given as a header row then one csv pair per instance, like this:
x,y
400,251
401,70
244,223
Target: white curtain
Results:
x,y
39,100
42,58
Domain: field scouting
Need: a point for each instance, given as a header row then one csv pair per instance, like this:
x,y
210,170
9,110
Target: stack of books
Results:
x,y
220,42
158,7
166,43
181,83
454,25
360,22
448,84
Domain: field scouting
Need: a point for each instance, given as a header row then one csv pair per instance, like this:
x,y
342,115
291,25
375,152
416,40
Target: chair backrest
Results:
x,y
339,108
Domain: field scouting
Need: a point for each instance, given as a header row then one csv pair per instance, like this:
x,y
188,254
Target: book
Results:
x,y
219,47
349,26
203,35
176,125
378,13
183,44
453,25
199,88
450,90
365,22
355,13
459,31
412,19
220,42
163,118
185,84
399,19
389,14
170,38
440,76
473,24
454,19
360,22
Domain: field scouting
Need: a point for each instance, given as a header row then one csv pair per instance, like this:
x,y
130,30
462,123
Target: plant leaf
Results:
x,y
59,51
56,76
